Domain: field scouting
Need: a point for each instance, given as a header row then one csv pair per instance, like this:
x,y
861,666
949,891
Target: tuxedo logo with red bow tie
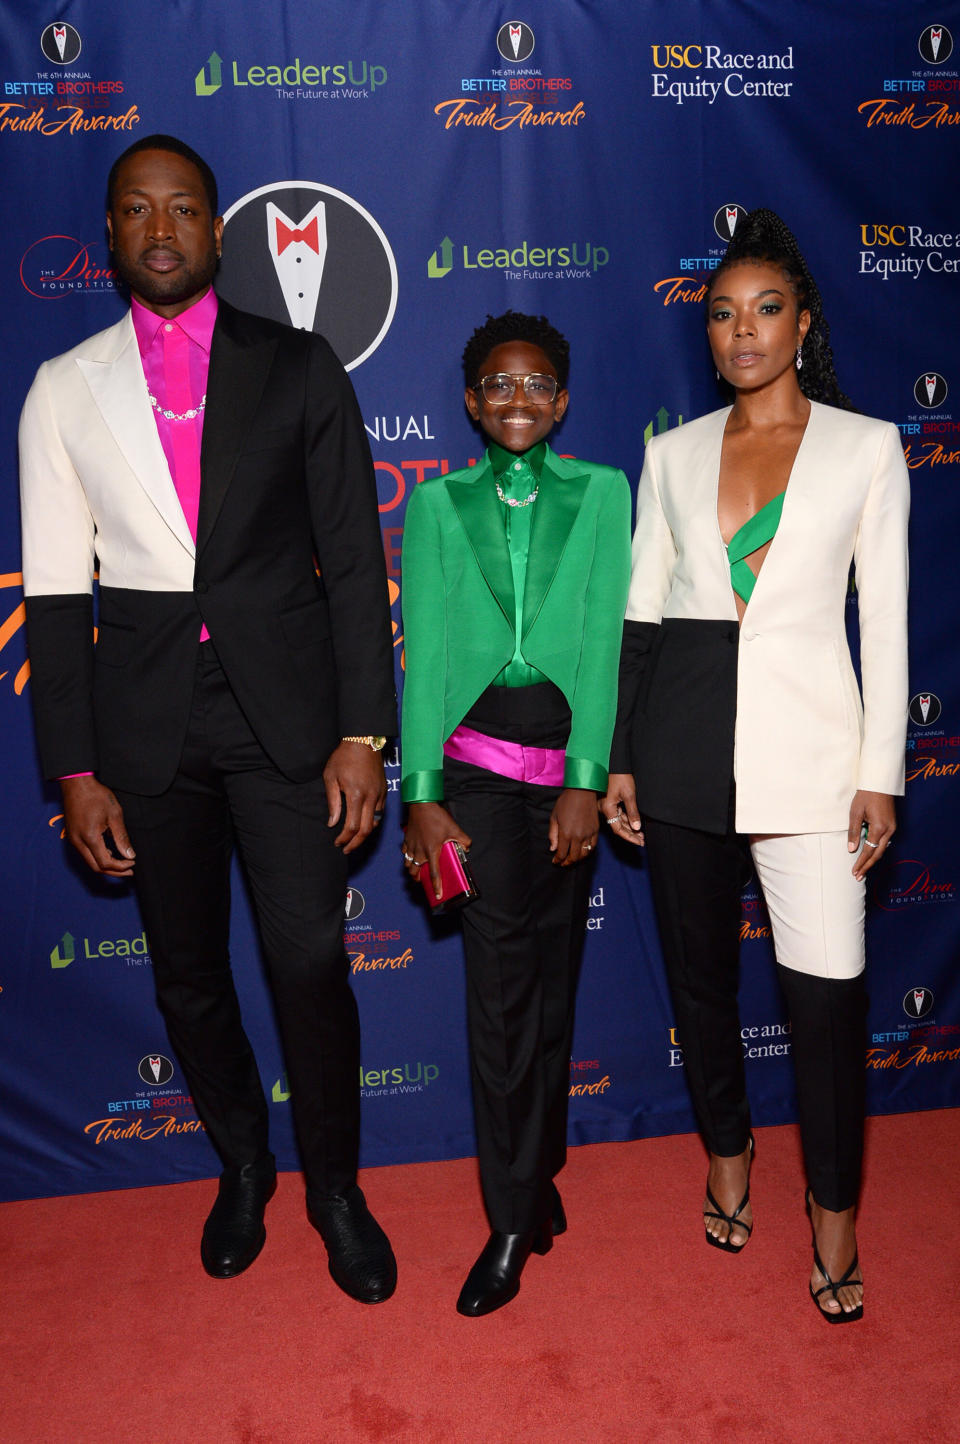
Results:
x,y
725,220
515,41
311,257
930,390
155,1069
936,44
60,43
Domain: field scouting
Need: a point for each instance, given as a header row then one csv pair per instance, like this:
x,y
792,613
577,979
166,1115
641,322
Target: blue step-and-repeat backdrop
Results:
x,y
587,159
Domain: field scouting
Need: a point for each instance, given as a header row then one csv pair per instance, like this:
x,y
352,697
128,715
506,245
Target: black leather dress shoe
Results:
x,y
495,1277
361,1259
234,1234
558,1219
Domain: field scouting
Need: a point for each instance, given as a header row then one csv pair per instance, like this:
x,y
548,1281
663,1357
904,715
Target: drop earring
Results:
x,y
799,358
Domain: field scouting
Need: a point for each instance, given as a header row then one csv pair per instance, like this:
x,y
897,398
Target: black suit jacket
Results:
x,y
288,572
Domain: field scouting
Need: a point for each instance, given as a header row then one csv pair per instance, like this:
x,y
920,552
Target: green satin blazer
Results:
x,y
458,608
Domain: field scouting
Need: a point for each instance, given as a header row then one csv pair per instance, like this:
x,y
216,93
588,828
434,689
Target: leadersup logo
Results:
x,y
394,1081
521,261
935,47
293,80
728,68
135,951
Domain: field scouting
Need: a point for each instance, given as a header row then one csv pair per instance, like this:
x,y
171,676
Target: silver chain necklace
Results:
x,y
190,415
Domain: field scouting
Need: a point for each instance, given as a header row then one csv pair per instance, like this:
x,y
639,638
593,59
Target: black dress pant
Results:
x,y
523,940
227,793
696,878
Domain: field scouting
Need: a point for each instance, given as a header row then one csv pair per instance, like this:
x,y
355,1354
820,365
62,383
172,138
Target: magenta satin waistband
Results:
x,y
509,759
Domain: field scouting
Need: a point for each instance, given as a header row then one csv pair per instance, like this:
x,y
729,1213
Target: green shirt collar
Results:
x,y
501,459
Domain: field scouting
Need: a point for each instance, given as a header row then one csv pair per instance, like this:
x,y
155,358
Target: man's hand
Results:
x,y
357,787
94,824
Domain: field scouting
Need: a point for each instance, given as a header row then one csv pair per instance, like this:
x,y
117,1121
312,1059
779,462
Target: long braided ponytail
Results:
x,y
761,237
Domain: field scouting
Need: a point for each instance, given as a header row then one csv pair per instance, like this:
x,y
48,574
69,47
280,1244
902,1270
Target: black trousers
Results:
x,y
696,878
227,793
523,940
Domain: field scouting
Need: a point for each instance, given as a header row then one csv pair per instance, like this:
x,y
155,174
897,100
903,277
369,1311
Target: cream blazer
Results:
x,y
805,738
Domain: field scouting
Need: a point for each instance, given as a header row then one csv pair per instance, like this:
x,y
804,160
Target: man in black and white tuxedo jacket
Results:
x,y
214,466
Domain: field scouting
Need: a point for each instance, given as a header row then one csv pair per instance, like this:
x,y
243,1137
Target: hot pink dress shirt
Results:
x,y
176,360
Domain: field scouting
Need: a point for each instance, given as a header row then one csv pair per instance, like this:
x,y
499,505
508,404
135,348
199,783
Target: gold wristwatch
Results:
x,y
377,743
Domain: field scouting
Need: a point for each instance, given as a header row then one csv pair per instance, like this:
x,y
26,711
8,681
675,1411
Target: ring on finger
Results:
x,y
614,821
868,843
407,856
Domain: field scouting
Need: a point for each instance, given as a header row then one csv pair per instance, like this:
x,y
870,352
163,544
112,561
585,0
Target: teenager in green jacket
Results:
x,y
515,576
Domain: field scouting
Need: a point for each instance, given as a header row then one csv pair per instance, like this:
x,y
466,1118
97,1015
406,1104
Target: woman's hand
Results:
x,y
429,826
573,826
874,819
619,807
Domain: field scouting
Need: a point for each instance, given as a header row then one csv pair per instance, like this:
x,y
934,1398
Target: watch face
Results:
x,y
378,743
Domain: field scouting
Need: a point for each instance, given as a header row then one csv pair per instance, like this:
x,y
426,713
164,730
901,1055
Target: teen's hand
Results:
x,y
573,826
429,826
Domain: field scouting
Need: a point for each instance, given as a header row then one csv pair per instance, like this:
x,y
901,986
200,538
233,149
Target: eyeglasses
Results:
x,y
501,387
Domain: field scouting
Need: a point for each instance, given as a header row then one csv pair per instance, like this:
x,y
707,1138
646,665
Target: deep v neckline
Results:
x,y
780,498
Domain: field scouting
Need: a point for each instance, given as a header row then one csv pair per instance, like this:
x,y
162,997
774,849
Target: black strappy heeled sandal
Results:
x,y
730,1219
842,1316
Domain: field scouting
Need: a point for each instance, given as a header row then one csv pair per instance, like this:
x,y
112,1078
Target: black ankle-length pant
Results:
x,y
523,939
696,878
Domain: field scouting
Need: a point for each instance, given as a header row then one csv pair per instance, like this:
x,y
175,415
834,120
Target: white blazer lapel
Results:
x,y
119,390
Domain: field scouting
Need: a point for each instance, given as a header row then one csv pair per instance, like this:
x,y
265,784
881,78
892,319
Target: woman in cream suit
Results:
x,y
741,722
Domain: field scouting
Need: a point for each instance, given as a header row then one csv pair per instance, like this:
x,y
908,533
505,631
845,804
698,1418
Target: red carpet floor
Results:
x,y
631,1329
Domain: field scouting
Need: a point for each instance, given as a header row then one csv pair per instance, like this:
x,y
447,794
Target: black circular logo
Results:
x,y
155,1069
925,709
61,44
726,219
936,44
311,257
930,390
917,1002
515,41
356,902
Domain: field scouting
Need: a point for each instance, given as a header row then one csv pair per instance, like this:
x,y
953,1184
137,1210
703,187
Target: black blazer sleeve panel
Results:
x,y
288,487
349,547
634,655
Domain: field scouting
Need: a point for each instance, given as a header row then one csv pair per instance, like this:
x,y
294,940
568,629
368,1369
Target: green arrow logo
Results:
x,y
64,953
663,424
201,84
280,1092
436,268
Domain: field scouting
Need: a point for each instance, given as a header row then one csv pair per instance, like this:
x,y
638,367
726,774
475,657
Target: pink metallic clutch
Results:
x,y
456,880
